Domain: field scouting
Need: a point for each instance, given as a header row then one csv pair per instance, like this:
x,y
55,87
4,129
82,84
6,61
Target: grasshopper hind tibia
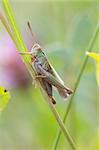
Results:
x,y
52,99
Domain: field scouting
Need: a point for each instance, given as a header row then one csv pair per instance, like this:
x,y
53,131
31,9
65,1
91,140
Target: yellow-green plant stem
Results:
x,y
20,45
91,44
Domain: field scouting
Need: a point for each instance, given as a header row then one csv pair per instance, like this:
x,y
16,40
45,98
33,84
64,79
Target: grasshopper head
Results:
x,y
36,49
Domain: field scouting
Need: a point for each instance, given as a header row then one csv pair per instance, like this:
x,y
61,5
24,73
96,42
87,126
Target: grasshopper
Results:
x,y
46,74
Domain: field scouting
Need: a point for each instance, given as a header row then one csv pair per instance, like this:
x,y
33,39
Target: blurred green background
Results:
x,y
64,29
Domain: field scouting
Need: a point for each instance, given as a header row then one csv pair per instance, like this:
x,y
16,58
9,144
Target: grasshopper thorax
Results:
x,y
37,52
36,49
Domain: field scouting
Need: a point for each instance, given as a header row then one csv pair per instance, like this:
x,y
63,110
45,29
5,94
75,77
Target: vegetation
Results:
x,y
67,30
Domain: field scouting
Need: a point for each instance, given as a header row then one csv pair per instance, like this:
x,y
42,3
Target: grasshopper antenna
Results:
x,y
35,41
29,26
32,34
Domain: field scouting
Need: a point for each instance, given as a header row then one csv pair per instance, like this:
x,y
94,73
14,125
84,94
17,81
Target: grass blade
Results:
x,y
91,44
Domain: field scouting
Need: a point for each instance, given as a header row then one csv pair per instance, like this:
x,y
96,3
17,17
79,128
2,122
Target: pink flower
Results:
x,y
12,69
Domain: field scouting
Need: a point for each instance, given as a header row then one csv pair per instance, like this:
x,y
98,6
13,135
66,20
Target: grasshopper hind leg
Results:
x,y
49,92
48,89
52,99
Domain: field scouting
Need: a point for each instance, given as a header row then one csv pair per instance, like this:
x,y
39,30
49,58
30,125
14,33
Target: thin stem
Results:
x,y
91,44
22,48
61,124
